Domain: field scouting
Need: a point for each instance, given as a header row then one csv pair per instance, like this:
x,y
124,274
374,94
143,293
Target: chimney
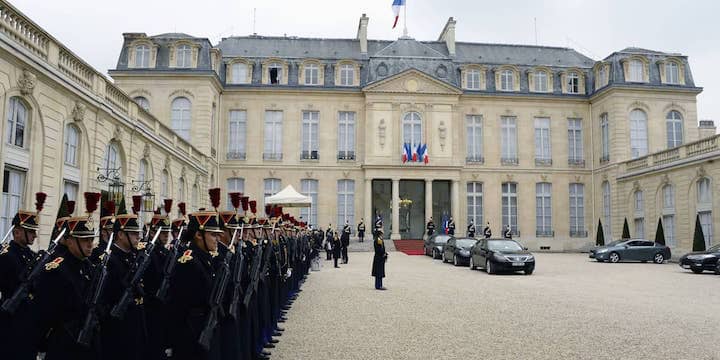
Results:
x,y
362,33
448,36
706,129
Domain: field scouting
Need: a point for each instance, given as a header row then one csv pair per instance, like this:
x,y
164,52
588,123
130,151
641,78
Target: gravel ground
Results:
x,y
570,308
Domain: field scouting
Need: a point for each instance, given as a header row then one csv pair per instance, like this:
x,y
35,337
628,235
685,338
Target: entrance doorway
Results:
x,y
442,205
382,205
412,209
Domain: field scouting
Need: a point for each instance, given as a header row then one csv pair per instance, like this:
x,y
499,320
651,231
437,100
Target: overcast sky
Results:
x,y
93,29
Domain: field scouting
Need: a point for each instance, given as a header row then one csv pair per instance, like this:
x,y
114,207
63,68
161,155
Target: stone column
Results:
x,y
455,205
395,235
369,220
428,200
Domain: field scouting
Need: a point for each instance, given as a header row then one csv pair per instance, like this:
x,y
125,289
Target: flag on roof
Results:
x,y
396,5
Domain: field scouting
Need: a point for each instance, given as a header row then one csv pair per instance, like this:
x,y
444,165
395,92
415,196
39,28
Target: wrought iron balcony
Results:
x,y
346,155
578,233
309,155
544,233
543,162
272,156
509,161
235,155
474,159
576,162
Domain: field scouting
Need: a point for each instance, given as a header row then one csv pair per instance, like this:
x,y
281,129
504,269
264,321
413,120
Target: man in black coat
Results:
x,y
379,259
487,232
336,248
451,227
471,229
361,230
156,312
328,242
345,241
430,227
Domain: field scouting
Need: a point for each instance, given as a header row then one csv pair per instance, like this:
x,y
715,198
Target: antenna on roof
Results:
x,y
254,18
535,20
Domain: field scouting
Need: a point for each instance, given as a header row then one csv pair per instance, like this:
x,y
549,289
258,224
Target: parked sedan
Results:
x,y
457,250
501,255
702,260
631,250
434,245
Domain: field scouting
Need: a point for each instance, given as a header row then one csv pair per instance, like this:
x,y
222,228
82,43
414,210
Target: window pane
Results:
x,y
12,196
638,134
237,129
475,203
234,185
345,203
180,117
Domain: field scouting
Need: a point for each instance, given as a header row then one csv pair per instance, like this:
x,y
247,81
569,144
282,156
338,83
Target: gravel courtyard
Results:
x,y
570,308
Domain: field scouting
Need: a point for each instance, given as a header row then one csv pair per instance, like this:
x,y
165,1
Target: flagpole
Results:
x,y
405,32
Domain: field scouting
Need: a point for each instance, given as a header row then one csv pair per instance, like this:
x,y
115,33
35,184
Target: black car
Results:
x,y
457,250
434,245
702,260
501,255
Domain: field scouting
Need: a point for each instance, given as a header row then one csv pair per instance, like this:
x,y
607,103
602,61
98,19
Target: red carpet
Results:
x,y
410,247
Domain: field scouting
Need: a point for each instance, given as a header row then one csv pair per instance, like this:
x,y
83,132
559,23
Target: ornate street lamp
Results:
x,y
116,188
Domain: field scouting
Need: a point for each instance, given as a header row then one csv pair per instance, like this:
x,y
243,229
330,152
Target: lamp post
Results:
x,y
148,198
116,188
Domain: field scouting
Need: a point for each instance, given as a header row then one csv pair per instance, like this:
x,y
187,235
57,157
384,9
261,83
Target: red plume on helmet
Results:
x,y
253,206
244,200
181,207
110,207
40,201
70,206
137,201
91,201
235,199
286,217
268,210
214,197
168,206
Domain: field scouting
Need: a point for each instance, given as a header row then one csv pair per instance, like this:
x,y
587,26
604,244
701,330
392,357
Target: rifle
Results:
x,y
141,264
239,260
97,287
7,235
21,293
216,297
168,269
254,275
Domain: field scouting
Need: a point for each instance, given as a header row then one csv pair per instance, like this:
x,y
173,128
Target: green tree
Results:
x,y
62,209
121,207
600,239
626,230
660,233
699,238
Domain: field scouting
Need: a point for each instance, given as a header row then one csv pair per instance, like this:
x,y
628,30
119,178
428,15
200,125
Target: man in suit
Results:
x,y
345,242
451,227
430,227
379,259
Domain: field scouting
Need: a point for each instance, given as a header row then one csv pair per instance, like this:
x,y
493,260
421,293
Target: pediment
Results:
x,y
412,82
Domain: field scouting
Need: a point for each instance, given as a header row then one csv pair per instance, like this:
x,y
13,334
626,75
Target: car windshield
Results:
x,y
504,245
441,239
465,242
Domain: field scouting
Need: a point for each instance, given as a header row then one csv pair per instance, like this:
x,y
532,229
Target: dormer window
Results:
x,y
312,74
636,71
672,73
507,80
472,79
347,75
239,73
183,55
275,73
541,81
602,77
142,56
573,83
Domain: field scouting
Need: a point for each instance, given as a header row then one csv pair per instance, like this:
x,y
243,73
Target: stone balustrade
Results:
x,y
682,152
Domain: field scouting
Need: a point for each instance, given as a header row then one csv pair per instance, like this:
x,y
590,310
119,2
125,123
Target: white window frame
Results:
x,y
17,121
72,145
273,134
636,71
346,203
605,137
672,73
474,144
12,196
706,224
638,134
508,138
639,198
113,158
234,184
412,129
475,202
310,188
577,209
142,102
607,209
507,80
346,135
279,71
576,151
668,213
543,209
142,170
573,83
639,224
310,135
347,75
312,74
239,73
543,150
183,56
674,129
71,189
142,56
510,206
181,117
237,134
271,186
704,194
541,81
472,79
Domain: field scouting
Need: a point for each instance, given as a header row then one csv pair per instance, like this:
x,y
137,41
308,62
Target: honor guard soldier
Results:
x,y
451,227
15,259
430,227
471,229
345,241
379,258
508,232
179,224
361,230
58,306
190,287
487,232
155,311
130,326
107,220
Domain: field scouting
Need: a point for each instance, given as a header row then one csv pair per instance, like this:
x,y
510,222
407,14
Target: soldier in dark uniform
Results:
x,y
361,230
178,225
487,232
345,241
451,227
155,311
131,327
190,287
231,343
378,266
15,259
508,232
430,227
329,242
58,306
107,220
337,248
471,229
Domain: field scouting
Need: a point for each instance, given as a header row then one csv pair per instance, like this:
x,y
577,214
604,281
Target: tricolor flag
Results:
x,y
422,153
396,9
406,153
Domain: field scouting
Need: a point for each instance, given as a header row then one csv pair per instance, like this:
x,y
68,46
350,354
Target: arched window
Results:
x,y
234,185
239,73
164,184
704,192
507,80
275,71
183,56
72,143
638,134
674,125
472,82
605,137
142,102
668,211
180,118
704,209
181,190
142,56
112,159
636,71
142,170
607,216
412,129
17,121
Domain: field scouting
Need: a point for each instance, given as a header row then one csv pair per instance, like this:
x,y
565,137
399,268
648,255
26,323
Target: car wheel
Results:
x,y
614,257
472,264
455,262
529,272
489,267
659,258
717,268
697,271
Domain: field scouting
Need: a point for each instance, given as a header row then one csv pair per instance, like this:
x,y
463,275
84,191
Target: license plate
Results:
x,y
686,266
698,265
518,264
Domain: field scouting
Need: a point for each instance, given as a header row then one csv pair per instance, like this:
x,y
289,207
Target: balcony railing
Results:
x,y
544,233
235,155
475,159
346,155
272,156
576,162
309,155
543,162
509,161
604,158
578,233
678,153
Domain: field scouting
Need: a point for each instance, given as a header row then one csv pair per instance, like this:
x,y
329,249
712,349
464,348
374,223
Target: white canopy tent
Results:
x,y
289,197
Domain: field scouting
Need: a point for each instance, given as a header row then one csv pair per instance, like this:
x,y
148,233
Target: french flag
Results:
x,y
422,153
406,153
396,5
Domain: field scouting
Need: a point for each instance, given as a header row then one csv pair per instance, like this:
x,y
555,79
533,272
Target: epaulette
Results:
x,y
5,248
54,264
214,253
141,245
186,256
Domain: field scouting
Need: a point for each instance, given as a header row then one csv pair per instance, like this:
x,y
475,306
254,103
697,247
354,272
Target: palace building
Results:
x,y
543,139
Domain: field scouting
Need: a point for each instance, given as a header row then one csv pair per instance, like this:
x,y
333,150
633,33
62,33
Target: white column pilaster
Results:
x,y
395,235
367,211
455,206
428,200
